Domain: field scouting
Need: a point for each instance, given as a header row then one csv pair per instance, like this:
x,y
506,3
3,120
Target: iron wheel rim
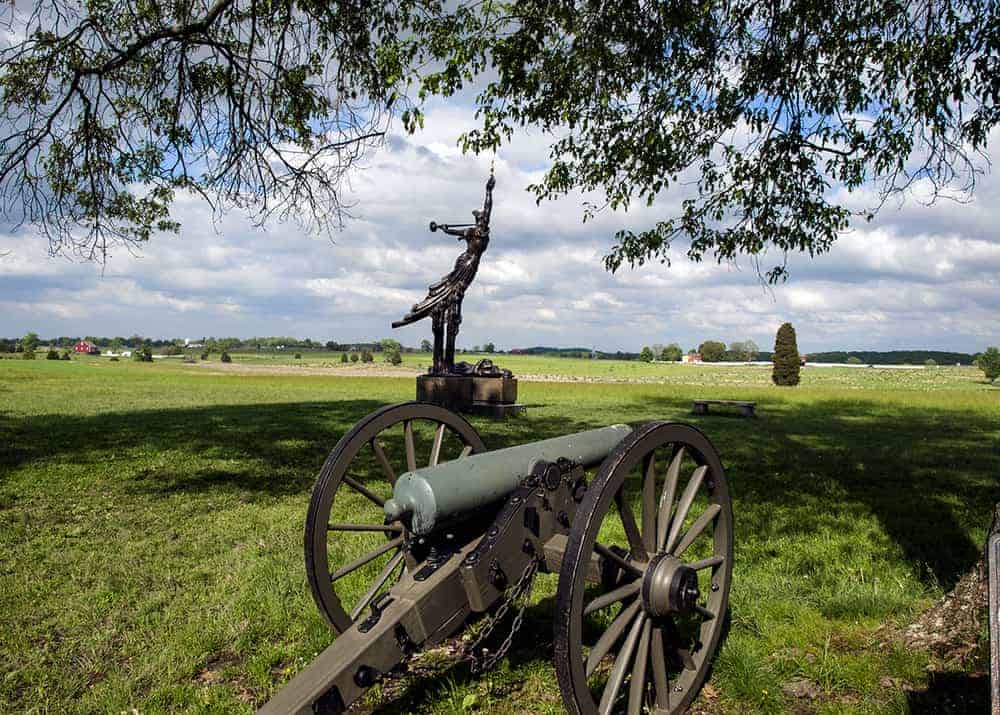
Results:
x,y
641,640
331,478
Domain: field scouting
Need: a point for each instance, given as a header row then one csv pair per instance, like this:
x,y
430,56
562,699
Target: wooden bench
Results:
x,y
746,408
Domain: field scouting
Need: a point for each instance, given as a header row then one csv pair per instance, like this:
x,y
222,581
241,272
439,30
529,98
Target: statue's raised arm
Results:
x,y
488,201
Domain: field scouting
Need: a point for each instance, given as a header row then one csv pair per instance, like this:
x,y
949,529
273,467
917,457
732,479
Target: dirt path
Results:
x,y
384,370
373,369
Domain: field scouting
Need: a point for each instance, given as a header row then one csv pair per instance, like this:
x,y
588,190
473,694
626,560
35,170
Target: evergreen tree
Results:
x,y
989,363
786,357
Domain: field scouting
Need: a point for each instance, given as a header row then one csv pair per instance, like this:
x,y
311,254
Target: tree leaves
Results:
x,y
111,107
756,115
766,108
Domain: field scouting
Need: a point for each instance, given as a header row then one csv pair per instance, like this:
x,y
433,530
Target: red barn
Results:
x,y
86,347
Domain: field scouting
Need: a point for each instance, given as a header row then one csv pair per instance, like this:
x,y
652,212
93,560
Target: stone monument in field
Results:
x,y
481,388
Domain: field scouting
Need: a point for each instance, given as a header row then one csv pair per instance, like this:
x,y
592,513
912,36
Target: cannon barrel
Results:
x,y
433,494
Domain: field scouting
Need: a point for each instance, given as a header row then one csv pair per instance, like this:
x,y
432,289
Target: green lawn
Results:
x,y
151,518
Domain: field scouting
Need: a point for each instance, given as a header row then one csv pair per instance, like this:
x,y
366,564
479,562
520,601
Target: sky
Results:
x,y
918,276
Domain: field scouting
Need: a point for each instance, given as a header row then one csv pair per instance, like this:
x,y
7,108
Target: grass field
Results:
x,y
151,519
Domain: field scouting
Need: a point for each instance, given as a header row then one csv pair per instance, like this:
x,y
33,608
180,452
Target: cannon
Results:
x,y
415,532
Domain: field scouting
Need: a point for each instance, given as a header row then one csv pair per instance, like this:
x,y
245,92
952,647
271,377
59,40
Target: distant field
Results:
x,y
151,517
674,373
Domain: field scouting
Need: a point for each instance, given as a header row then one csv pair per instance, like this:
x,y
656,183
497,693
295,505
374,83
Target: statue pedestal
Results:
x,y
475,394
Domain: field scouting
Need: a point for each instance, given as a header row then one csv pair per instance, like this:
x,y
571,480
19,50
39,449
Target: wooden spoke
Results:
x,y
618,560
466,451
660,683
684,656
706,563
411,452
388,528
667,498
377,584
619,594
620,668
641,663
362,560
436,447
683,506
369,460
696,528
631,530
361,489
649,504
610,637
383,460
637,687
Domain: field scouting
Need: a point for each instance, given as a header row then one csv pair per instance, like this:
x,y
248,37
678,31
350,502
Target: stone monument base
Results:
x,y
475,394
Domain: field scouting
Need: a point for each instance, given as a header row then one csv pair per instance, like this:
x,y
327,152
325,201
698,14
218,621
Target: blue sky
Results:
x,y
918,276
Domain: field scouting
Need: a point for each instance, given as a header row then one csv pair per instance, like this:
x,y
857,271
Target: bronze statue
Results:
x,y
444,298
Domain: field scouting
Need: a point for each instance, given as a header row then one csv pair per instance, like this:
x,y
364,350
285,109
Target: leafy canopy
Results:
x,y
753,113
765,107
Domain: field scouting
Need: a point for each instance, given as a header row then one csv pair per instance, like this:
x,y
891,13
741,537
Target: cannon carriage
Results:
x,y
415,530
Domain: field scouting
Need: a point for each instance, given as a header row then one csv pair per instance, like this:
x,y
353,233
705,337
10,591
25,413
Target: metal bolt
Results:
x,y
678,689
715,587
365,677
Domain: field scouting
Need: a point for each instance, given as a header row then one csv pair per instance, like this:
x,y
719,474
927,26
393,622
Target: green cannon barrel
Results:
x,y
432,494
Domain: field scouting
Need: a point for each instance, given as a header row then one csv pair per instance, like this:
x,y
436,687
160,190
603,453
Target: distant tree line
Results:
x,y
892,357
710,350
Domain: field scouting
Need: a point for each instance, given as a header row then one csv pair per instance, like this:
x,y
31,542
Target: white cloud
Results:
x,y
918,276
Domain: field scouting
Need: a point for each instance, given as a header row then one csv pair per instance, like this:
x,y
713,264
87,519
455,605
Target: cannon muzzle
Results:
x,y
431,495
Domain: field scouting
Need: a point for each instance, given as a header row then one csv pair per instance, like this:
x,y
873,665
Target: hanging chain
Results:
x,y
479,661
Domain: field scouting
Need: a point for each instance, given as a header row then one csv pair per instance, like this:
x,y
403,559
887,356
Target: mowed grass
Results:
x,y
151,524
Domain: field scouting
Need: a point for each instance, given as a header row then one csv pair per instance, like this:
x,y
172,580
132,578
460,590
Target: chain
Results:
x,y
480,662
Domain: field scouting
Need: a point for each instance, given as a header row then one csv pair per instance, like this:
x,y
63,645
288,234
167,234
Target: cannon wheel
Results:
x,y
358,476
658,521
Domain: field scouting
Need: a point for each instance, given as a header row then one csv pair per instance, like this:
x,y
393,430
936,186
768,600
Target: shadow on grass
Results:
x,y
952,693
290,439
929,476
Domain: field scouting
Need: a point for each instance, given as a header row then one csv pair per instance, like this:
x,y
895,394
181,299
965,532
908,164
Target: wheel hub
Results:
x,y
669,586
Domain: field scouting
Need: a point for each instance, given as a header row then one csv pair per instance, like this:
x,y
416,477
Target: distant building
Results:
x,y
85,347
691,357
